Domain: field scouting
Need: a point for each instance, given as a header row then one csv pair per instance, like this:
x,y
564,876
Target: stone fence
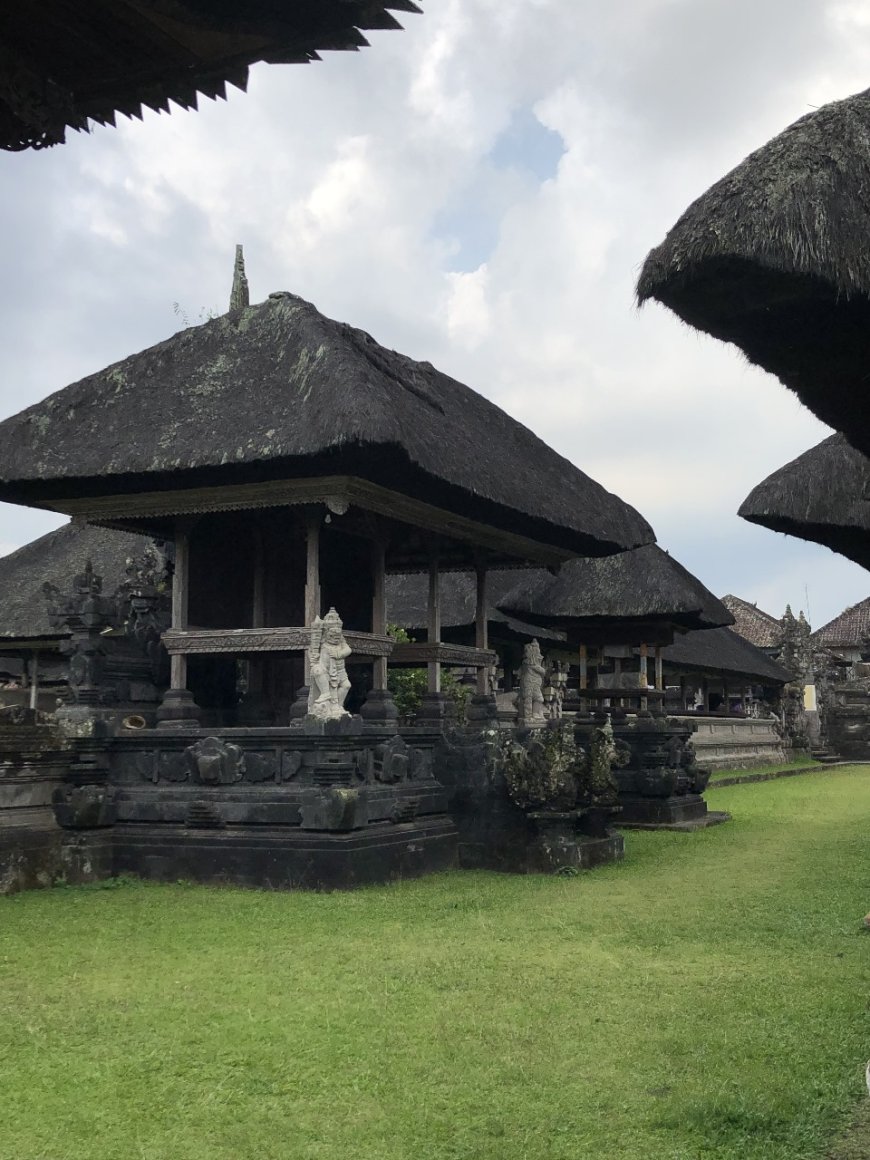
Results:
x,y
736,742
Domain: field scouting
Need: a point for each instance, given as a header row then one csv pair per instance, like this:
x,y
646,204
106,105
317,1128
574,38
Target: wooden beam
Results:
x,y
334,491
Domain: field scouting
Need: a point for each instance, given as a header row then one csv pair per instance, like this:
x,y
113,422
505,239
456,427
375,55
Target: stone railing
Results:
x,y
736,742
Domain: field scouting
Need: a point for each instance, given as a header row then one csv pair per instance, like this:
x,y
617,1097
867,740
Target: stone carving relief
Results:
x,y
327,653
215,762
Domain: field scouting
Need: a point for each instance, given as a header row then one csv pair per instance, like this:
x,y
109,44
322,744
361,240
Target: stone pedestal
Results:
x,y
436,709
178,710
660,784
379,708
558,844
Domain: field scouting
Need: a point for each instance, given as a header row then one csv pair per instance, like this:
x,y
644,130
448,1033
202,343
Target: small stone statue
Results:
x,y
531,697
327,653
602,757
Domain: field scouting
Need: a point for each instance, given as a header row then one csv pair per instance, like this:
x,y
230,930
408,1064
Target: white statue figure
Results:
x,y
531,698
328,684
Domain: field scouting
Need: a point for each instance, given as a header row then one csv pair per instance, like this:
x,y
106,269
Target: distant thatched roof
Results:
x,y
847,630
278,391
63,64
408,603
754,624
775,258
57,558
725,651
823,495
645,584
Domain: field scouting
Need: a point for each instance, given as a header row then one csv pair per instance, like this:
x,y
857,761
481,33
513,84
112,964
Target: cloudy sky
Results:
x,y
478,190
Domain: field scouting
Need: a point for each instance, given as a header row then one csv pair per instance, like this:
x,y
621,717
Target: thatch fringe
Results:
x,y
823,496
643,584
774,257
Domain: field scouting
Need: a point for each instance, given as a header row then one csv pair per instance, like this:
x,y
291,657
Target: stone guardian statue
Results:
x,y
531,696
327,653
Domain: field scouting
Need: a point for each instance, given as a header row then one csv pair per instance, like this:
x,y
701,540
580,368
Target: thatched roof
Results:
x,y
646,584
64,64
278,391
848,630
722,650
56,559
774,257
823,495
408,604
754,624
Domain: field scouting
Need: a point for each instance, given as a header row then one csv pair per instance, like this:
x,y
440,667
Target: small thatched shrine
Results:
x,y
618,615
823,496
289,463
774,258
63,65
34,581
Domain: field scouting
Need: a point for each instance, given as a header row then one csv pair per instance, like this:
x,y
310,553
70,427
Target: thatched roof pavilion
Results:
x,y
609,599
275,392
823,495
774,258
55,559
28,638
63,65
722,651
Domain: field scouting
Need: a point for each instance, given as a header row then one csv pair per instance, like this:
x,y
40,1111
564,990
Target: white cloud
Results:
x,y
339,179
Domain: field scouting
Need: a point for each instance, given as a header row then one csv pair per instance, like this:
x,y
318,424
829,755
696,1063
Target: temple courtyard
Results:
x,y
707,997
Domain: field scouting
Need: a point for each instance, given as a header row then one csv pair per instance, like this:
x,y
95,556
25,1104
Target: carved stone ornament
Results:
x,y
327,653
392,761
530,702
215,762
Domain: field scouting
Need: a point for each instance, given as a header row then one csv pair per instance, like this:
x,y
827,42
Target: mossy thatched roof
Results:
x,y
722,650
823,496
646,584
278,391
775,258
56,559
64,64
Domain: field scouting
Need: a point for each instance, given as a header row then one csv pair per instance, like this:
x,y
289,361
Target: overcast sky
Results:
x,y
479,191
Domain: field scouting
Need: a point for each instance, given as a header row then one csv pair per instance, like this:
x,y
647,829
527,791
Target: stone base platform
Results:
x,y
711,818
38,857
657,812
282,859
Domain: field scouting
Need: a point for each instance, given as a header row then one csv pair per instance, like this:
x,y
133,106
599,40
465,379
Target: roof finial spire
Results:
x,y
239,297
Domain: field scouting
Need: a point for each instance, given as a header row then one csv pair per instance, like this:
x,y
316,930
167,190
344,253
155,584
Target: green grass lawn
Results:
x,y
804,761
707,998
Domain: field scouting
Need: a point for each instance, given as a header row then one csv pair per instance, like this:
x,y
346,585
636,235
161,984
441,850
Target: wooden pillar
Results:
x,y
434,626
660,670
34,680
258,609
180,595
643,676
312,577
584,670
481,626
379,610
